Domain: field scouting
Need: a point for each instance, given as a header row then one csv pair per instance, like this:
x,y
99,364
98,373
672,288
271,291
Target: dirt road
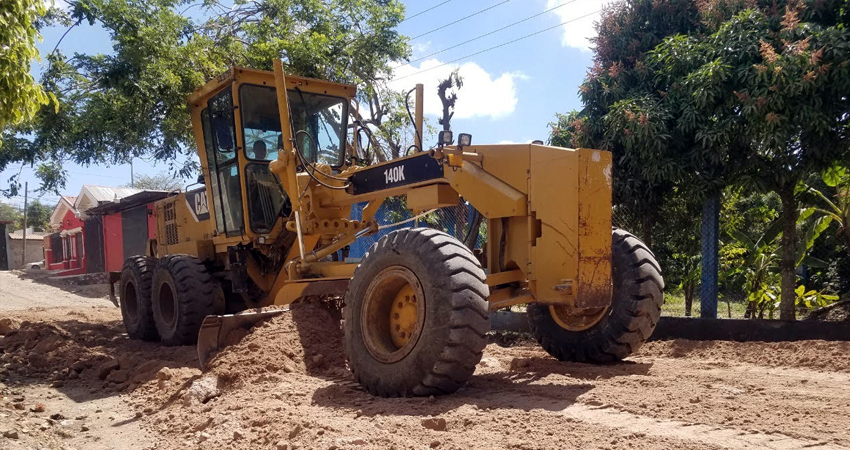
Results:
x,y
268,391
18,292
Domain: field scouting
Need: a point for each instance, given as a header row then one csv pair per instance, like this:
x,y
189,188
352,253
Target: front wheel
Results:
x,y
416,315
612,333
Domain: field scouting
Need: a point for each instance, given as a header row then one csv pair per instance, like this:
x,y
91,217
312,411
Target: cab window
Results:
x,y
322,118
212,166
224,142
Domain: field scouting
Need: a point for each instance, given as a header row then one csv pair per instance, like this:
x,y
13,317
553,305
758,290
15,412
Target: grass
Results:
x,y
674,305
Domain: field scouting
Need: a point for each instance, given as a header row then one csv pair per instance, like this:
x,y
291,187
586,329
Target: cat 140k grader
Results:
x,y
271,225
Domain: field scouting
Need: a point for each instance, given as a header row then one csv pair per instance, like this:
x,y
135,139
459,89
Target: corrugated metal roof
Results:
x,y
109,194
137,199
92,196
31,235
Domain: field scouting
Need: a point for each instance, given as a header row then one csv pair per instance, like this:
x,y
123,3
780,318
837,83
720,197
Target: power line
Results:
x,y
492,32
423,12
459,20
497,46
98,175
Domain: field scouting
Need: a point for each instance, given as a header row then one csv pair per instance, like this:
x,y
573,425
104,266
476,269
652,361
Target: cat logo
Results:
x,y
197,202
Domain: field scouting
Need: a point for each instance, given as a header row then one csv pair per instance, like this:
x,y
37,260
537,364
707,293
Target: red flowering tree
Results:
x,y
694,95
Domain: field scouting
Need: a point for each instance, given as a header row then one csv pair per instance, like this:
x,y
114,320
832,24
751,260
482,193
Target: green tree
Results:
x,y
38,215
20,95
109,108
765,94
9,213
621,113
697,95
158,182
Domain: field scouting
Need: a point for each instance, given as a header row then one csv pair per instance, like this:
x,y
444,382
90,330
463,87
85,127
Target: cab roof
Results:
x,y
266,77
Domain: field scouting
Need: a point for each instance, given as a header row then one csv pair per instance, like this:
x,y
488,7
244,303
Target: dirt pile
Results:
x,y
836,312
822,355
306,340
44,350
253,391
82,349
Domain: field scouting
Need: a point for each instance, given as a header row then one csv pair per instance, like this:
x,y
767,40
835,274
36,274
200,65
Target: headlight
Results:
x,y
446,137
464,139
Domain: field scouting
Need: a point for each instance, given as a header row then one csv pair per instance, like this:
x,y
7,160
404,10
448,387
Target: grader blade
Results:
x,y
214,330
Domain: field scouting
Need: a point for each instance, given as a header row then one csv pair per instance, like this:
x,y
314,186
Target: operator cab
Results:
x,y
241,134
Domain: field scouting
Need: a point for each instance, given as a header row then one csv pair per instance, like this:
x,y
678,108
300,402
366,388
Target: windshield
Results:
x,y
322,118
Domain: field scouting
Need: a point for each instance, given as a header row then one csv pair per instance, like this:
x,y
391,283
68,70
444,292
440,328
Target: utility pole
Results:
x,y
132,178
24,245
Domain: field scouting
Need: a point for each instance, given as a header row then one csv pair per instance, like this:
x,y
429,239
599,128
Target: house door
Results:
x,y
93,245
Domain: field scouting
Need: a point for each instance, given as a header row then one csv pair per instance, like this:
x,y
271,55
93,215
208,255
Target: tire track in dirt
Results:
x,y
697,433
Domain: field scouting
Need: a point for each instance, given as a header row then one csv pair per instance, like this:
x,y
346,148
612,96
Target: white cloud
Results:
x,y
420,48
577,33
482,94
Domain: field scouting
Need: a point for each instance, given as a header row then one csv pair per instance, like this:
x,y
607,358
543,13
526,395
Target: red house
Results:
x,y
127,225
64,249
94,231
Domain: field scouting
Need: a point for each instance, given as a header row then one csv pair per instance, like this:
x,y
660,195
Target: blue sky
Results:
x,y
510,93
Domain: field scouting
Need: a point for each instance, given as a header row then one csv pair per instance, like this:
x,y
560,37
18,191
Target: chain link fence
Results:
x,y
683,284
461,221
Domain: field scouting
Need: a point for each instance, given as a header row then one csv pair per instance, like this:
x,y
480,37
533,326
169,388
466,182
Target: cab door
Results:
x,y
220,140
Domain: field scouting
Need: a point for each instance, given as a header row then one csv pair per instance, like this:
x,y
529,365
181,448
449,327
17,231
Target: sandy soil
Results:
x,y
21,289
282,387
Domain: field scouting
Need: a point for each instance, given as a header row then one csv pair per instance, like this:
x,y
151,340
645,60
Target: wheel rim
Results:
x,y
167,304
130,300
574,319
393,314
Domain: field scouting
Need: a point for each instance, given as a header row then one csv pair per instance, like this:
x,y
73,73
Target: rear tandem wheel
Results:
x,y
135,294
184,293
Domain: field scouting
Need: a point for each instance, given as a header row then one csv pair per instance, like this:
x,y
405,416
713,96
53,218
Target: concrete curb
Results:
x,y
713,329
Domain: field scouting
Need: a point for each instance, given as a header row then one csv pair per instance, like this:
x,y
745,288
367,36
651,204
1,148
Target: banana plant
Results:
x,y
690,278
837,209
761,273
761,269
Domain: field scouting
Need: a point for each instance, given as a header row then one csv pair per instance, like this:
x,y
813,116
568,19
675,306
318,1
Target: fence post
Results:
x,y
710,253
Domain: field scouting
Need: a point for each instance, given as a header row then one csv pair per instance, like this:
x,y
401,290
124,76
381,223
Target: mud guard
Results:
x,y
214,330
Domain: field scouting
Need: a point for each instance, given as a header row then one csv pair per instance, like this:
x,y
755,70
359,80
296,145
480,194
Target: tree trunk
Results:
x,y
787,309
847,240
689,299
750,311
646,230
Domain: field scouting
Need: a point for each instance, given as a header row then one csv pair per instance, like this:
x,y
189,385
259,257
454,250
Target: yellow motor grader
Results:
x,y
274,214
